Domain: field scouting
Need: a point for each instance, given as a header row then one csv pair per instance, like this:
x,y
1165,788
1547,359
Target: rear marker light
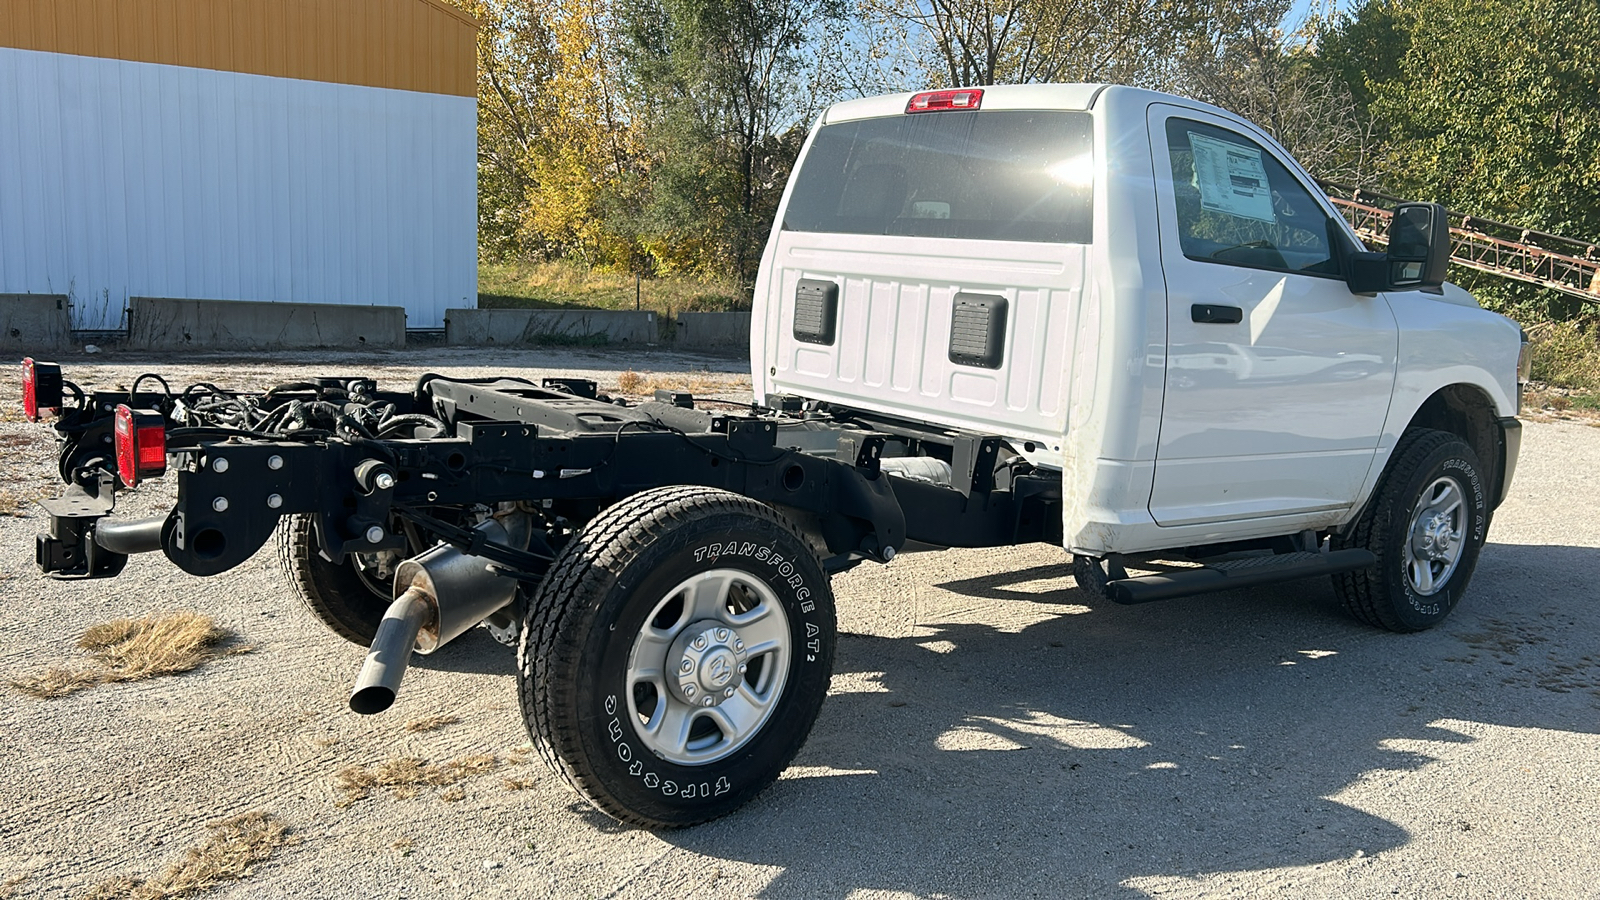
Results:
x,y
141,444
935,101
41,389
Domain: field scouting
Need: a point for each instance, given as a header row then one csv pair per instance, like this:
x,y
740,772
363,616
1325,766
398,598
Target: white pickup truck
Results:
x,y
1102,318
1149,295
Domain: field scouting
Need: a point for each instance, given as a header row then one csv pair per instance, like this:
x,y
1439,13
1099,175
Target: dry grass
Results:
x,y
134,650
8,888
431,723
1566,354
235,846
518,784
405,777
645,384
556,284
15,502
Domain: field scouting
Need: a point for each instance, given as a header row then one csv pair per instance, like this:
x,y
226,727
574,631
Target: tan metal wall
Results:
x,y
412,45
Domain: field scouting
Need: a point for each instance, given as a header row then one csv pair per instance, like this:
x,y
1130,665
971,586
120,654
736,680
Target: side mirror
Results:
x,y
1418,254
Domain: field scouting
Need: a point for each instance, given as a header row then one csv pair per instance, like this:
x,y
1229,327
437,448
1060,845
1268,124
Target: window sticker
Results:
x,y
1231,178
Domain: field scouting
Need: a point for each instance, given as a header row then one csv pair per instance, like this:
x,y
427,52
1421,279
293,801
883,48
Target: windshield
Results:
x,y
1007,175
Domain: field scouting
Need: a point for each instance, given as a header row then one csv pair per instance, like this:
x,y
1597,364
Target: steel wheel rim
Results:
x,y
1434,536
708,667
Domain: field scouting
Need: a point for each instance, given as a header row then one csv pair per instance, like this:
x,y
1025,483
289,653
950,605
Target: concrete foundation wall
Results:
x,y
34,323
713,331
479,327
167,324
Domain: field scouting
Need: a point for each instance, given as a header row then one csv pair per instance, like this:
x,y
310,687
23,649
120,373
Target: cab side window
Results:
x,y
1238,205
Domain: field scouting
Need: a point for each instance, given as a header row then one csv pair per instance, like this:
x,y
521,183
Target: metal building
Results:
x,y
317,151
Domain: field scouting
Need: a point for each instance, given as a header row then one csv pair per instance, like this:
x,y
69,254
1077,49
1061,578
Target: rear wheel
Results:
x,y
350,597
676,655
1426,524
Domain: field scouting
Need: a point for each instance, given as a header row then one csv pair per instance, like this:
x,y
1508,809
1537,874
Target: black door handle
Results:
x,y
1212,314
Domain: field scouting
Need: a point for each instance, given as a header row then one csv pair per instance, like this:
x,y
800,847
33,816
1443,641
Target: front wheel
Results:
x,y
1426,524
676,655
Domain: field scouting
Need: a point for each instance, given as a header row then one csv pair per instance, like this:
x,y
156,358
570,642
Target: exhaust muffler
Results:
x,y
439,594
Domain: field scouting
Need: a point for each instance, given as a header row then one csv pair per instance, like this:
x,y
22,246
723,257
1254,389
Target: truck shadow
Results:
x,y
1118,750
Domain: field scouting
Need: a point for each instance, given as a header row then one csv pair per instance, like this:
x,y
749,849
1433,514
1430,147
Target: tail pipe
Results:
x,y
441,594
386,663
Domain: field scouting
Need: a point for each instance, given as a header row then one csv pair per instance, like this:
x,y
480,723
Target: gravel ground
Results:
x,y
992,731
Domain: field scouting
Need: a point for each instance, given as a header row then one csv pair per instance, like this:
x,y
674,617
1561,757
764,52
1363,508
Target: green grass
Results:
x,y
528,285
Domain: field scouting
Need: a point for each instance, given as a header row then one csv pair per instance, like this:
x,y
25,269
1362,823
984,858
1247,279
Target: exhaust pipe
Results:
x,y
440,594
391,653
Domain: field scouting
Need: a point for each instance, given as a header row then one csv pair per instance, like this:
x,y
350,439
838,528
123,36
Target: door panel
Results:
x,y
1279,412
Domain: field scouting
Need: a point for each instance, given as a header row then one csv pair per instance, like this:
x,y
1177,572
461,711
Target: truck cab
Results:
x,y
1143,292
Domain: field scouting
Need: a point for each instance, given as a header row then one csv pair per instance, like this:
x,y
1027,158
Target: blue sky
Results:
x,y
1302,9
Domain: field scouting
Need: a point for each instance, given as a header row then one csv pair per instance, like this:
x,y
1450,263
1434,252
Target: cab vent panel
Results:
x,y
978,330
816,311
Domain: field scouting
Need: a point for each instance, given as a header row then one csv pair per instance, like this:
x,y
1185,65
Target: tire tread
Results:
x,y
610,542
1362,592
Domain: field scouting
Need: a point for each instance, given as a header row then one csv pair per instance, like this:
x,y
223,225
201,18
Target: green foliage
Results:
x,y
1491,109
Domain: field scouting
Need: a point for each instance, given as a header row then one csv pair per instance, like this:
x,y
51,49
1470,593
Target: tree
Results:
x,y
1243,62
516,60
966,43
721,85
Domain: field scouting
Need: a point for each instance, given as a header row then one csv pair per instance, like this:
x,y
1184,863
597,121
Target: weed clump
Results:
x,y
405,777
231,852
431,723
135,650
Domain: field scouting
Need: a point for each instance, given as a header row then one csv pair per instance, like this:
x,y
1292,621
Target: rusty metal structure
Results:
x,y
1548,260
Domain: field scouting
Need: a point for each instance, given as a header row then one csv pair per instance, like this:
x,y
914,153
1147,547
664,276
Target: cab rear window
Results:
x,y
1003,175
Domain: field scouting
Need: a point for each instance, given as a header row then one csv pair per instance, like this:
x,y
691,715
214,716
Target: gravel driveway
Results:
x,y
992,731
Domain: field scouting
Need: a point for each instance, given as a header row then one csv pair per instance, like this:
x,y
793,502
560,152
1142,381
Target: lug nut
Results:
x,y
742,668
687,667
722,634
728,692
220,504
274,462
699,643
688,690
219,465
375,534
384,481
738,644
274,501
709,701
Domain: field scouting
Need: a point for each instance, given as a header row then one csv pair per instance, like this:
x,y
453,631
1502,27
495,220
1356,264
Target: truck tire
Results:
x,y
1426,524
676,655
337,594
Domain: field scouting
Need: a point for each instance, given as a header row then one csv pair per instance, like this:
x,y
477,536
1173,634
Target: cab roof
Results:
x,y
1003,96
1016,96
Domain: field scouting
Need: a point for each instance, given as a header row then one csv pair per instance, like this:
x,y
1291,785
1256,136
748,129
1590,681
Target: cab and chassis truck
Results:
x,y
1117,321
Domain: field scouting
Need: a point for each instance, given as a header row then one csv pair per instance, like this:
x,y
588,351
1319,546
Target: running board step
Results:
x,y
1237,573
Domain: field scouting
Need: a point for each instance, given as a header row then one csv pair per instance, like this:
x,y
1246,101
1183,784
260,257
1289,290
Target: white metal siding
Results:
x,y
122,179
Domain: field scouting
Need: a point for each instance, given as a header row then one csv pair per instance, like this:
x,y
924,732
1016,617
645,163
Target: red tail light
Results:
x,y
934,101
41,389
141,444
